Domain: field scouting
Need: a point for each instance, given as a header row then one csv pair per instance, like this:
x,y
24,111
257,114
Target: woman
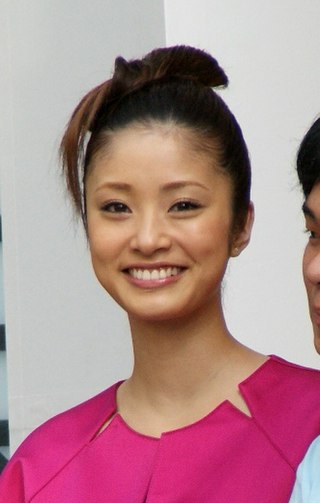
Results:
x,y
159,172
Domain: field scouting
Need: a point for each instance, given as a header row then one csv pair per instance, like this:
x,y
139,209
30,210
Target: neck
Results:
x,y
183,369
177,357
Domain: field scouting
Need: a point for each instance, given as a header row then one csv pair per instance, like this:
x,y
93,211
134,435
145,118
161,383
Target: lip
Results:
x,y
165,274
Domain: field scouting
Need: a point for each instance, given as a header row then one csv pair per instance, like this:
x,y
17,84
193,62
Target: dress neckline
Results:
x,y
225,404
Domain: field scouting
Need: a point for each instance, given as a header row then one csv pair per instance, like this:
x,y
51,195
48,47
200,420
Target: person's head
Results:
x,y
308,159
170,86
308,168
165,100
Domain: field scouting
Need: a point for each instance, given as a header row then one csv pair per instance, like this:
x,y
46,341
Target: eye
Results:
x,y
115,207
185,205
312,234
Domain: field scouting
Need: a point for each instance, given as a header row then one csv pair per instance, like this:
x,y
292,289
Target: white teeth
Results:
x,y
162,274
146,275
154,274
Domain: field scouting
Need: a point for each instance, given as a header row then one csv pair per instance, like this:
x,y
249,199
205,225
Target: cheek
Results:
x,y
311,265
102,243
308,263
213,238
104,255
305,261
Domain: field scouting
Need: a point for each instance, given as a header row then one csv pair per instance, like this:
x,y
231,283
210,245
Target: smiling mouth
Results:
x,y
154,274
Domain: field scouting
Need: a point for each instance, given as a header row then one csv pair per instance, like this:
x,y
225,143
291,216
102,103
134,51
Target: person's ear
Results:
x,y
242,238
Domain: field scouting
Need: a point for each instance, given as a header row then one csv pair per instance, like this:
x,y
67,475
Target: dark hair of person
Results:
x,y
308,159
169,85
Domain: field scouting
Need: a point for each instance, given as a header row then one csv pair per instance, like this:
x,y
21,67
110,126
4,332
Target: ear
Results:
x,y
241,240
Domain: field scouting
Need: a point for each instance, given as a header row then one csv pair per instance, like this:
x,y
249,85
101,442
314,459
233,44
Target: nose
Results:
x,y
150,235
311,265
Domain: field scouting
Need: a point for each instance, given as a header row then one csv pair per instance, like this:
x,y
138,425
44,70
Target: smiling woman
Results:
x,y
159,243
157,168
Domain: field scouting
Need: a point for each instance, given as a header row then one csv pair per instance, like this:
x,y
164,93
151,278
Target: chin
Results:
x,y
158,313
316,337
317,343
156,317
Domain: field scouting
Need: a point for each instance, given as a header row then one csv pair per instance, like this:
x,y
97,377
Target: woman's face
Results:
x,y
311,260
159,223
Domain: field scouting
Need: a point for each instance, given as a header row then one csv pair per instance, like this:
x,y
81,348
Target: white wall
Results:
x,y
3,360
66,340
270,51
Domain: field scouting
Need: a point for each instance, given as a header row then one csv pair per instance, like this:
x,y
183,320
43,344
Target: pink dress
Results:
x,y
225,457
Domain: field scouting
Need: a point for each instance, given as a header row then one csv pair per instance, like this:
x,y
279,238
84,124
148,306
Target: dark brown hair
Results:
x,y
169,84
308,159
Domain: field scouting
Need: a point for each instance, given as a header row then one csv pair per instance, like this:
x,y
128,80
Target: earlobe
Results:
x,y
242,239
235,251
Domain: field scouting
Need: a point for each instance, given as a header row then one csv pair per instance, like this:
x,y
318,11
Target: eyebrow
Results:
x,y
122,186
181,184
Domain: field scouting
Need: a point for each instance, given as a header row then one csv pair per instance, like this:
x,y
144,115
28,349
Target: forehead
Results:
x,y
189,141
160,150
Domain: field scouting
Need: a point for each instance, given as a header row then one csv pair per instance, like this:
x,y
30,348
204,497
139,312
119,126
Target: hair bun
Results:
x,y
188,63
180,62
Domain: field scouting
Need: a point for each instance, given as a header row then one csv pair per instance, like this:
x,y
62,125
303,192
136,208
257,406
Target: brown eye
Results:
x,y
116,207
185,206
